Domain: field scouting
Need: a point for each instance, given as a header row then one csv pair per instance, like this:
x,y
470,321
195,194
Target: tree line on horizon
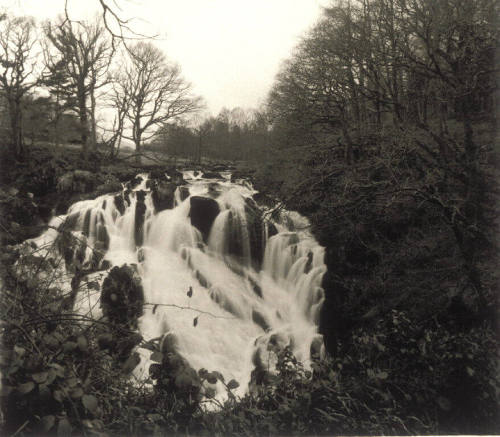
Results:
x,y
69,81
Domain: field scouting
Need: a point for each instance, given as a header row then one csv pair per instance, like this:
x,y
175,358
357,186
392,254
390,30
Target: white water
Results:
x,y
241,306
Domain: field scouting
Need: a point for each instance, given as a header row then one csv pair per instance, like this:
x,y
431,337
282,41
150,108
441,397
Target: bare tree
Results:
x,y
17,71
119,102
85,53
155,92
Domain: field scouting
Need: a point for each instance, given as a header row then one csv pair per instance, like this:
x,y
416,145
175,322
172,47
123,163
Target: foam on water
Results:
x,y
242,301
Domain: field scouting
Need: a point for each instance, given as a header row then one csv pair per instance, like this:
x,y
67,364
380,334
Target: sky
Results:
x,y
230,50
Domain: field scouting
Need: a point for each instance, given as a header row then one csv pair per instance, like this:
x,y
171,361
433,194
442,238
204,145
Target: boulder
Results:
x,y
120,203
163,195
203,213
122,296
175,176
184,192
271,229
134,182
256,232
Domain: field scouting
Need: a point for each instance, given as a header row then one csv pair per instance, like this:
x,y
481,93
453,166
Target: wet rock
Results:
x,y
256,287
255,232
157,173
260,320
126,196
119,203
105,264
122,296
134,182
317,349
203,213
211,175
202,280
184,192
140,211
102,235
221,299
308,266
163,195
86,222
175,176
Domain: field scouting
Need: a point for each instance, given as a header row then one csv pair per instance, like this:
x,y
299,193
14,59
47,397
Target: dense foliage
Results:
x,y
383,134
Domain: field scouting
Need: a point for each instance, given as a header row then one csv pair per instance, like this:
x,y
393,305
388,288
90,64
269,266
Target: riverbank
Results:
x,y
407,356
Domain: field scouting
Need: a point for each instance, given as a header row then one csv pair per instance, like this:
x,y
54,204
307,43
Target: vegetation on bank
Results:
x,y
66,374
384,125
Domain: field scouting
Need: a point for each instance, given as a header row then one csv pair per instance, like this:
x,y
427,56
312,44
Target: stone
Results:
x,y
120,203
163,196
211,175
203,213
175,176
184,192
140,211
122,296
134,182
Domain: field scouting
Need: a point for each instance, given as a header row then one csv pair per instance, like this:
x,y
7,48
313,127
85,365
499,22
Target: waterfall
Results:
x,y
255,282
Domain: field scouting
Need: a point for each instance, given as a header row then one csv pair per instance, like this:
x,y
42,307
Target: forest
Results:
x,y
380,128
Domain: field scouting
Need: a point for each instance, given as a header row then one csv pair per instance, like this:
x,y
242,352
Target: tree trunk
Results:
x,y
199,148
138,150
16,122
93,129
82,112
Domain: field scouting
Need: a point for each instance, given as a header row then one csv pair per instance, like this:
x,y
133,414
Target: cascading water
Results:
x,y
255,283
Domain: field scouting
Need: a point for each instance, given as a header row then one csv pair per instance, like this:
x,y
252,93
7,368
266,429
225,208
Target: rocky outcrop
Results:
x,y
163,194
157,173
184,192
119,203
175,176
203,213
134,182
211,175
140,211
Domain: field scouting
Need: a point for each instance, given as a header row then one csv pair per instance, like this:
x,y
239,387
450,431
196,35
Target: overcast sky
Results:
x,y
230,50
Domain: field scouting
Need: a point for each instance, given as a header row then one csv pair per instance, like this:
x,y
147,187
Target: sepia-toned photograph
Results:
x,y
230,218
